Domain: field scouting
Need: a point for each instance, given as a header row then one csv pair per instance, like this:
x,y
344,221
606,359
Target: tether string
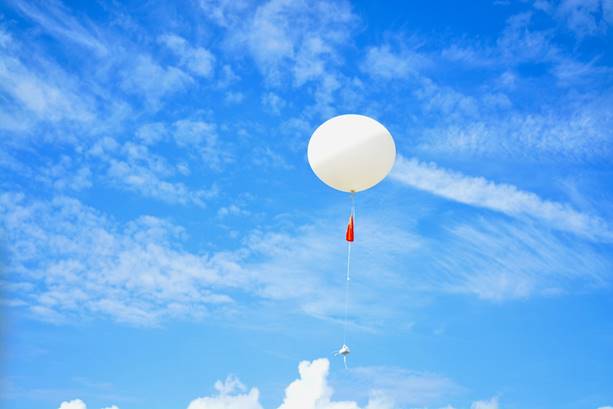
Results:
x,y
348,278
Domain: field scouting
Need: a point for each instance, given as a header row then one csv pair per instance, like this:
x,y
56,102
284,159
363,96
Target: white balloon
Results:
x,y
351,152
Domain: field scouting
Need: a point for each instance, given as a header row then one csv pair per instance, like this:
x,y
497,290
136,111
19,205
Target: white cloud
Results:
x,y
201,138
310,61
518,43
35,96
198,60
485,404
273,103
500,197
141,166
75,97
234,97
227,76
134,167
292,42
230,385
585,17
225,13
293,37
67,175
575,131
571,72
310,391
470,56
144,180
501,260
605,407
87,265
229,397
385,63
446,100
266,157
56,20
79,404
146,77
152,133
73,404
231,210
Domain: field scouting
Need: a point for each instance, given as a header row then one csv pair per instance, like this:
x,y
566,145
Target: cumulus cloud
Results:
x,y
79,404
500,197
310,391
73,404
230,395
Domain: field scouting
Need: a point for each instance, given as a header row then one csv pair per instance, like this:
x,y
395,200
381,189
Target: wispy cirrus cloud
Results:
x,y
502,260
43,93
500,197
59,22
584,18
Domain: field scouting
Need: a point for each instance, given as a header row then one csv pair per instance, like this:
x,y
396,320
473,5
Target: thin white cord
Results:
x,y
347,293
348,278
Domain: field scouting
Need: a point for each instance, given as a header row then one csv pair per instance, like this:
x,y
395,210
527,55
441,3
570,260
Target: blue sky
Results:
x,y
166,245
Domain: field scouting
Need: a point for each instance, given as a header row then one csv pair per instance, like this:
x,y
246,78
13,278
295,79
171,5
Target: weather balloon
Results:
x,y
351,152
